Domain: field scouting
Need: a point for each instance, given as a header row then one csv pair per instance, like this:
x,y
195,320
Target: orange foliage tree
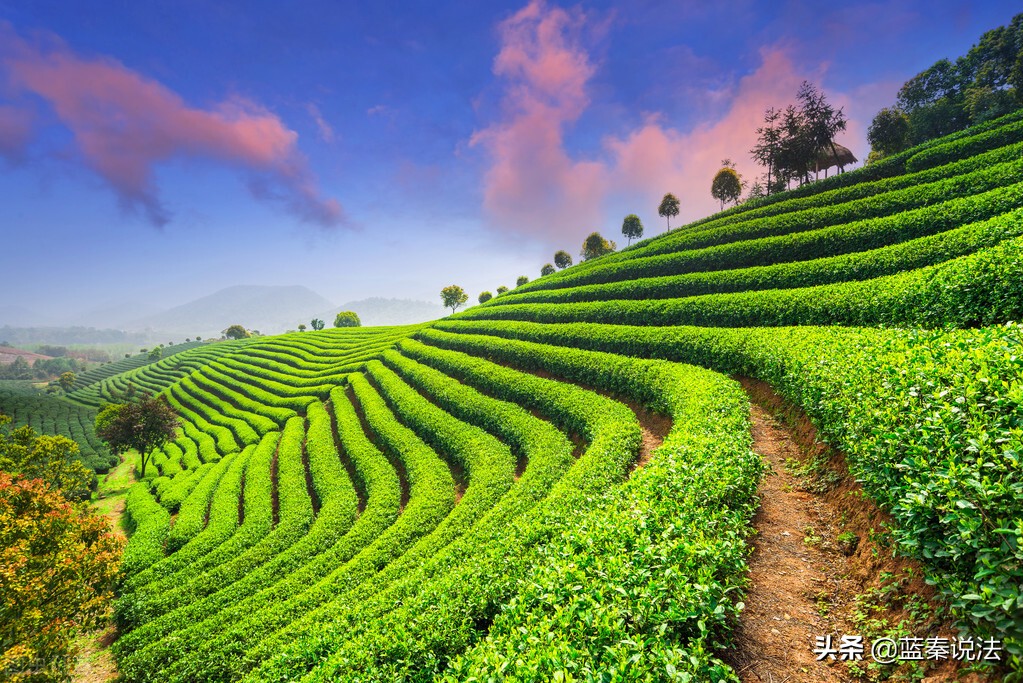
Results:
x,y
58,569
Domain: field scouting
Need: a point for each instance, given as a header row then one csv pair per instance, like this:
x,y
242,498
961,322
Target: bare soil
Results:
x,y
653,428
95,662
776,633
819,544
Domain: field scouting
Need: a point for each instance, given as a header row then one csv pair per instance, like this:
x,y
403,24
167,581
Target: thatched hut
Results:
x,y
834,155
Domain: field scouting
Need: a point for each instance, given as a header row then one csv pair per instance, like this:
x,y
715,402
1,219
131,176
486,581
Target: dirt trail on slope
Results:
x,y
820,558
95,663
781,619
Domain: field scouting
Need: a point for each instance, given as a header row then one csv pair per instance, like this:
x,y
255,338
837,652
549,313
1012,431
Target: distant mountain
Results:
x,y
378,311
269,309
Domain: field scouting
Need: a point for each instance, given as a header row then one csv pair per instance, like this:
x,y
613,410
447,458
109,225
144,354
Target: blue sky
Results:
x,y
159,151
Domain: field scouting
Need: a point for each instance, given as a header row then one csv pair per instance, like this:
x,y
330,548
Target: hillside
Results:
x,y
562,479
8,354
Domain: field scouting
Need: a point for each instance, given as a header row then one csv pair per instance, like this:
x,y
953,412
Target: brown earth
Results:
x,y
9,354
819,544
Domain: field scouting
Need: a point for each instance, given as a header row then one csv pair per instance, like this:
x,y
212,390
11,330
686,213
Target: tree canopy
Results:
x,y
521,280
546,270
67,380
562,259
669,208
889,131
595,245
453,296
632,227
59,564
144,426
316,324
501,290
485,297
727,184
347,319
792,140
985,83
236,332
52,459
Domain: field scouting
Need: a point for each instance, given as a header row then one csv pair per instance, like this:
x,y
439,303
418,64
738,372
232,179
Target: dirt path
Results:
x,y
822,565
787,571
95,663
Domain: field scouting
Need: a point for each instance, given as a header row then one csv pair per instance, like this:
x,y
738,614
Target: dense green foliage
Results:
x,y
141,426
983,84
454,296
464,500
50,458
347,319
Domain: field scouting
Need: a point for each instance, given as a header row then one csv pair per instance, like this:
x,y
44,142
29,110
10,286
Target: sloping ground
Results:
x,y
9,354
116,367
822,564
461,500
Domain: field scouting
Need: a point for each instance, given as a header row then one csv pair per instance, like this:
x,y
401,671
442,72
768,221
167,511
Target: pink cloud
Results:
x,y
535,186
124,124
656,159
15,133
532,185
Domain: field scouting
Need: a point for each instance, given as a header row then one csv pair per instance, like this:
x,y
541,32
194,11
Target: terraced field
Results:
x,y
48,414
73,415
561,481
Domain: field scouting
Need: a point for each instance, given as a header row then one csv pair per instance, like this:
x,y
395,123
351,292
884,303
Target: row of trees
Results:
x,y
985,83
794,142
41,368
593,246
342,319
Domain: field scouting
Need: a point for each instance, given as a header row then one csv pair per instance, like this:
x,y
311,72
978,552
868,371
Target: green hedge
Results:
x,y
1010,152
223,521
884,205
644,570
148,522
836,240
954,150
295,513
613,433
192,518
935,440
257,520
904,256
887,168
983,288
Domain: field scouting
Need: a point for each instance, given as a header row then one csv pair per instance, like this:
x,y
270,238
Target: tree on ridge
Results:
x,y
669,208
453,296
